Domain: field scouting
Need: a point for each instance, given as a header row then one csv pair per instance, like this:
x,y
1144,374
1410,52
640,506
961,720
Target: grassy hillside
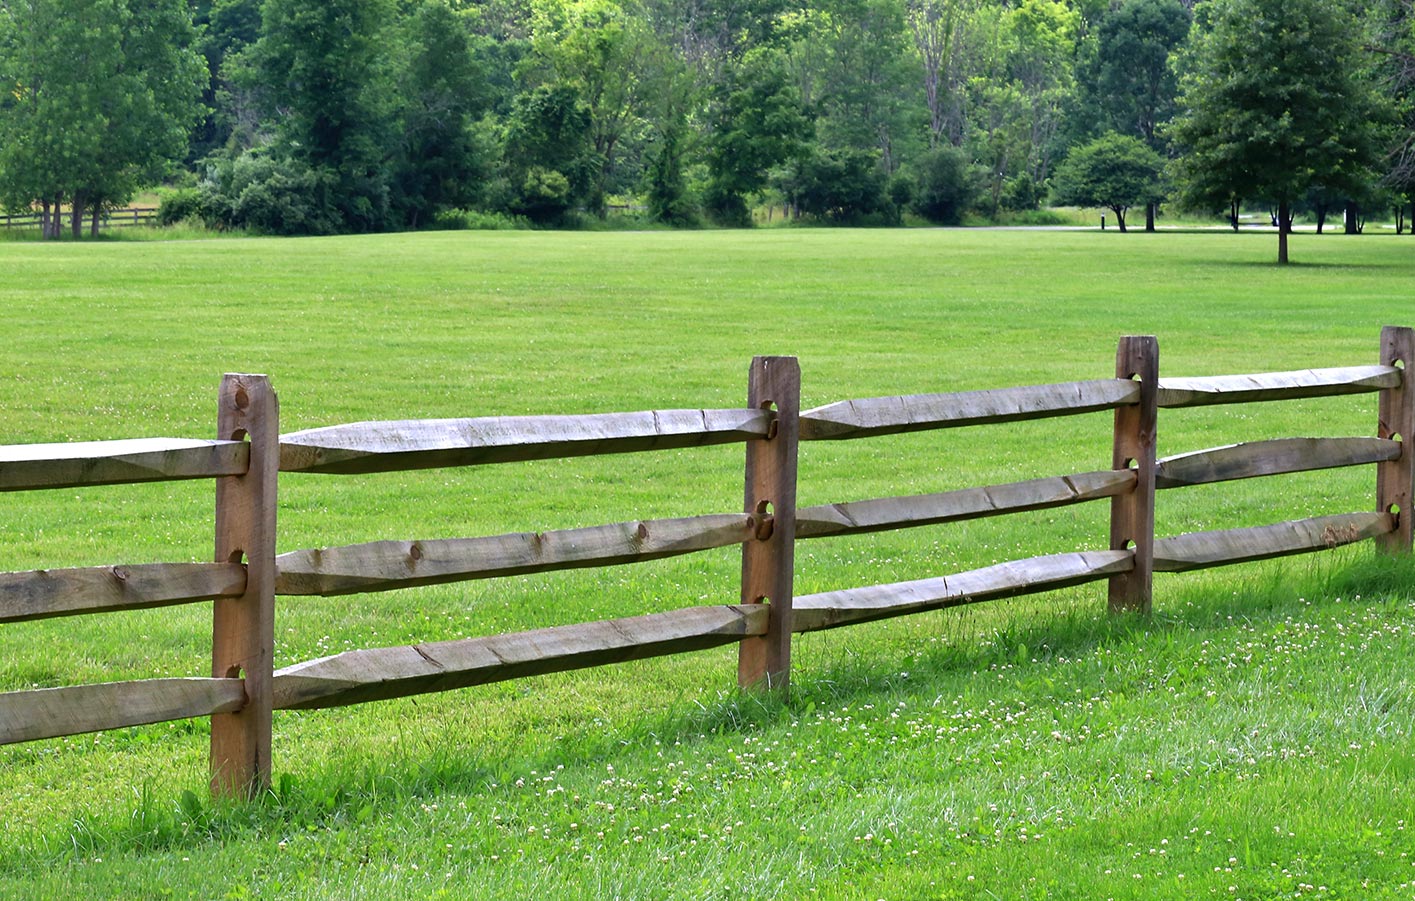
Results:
x,y
1250,735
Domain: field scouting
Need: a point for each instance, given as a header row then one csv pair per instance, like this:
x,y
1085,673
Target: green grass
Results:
x,y
1263,715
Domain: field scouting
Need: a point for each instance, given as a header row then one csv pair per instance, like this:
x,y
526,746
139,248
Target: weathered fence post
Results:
x,y
768,561
1394,478
243,632
1132,515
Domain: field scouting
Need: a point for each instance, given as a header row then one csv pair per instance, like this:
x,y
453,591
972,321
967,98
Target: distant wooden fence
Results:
x,y
246,575
124,218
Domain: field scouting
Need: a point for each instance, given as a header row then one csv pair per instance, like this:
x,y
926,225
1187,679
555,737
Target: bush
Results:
x,y
946,186
178,205
269,195
840,185
477,220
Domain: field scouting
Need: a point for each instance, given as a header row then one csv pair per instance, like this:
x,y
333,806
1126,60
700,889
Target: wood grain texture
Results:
x,y
66,592
243,628
386,565
77,463
1395,478
1267,386
769,495
1267,458
355,677
422,444
911,413
1132,515
74,710
1200,550
858,517
1018,577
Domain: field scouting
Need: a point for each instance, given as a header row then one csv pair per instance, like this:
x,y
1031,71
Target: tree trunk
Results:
x,y
1119,217
1233,214
76,215
93,220
1353,218
1150,216
1284,225
1321,218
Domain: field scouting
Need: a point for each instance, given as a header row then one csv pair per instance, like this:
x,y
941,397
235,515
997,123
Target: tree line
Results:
x,y
294,117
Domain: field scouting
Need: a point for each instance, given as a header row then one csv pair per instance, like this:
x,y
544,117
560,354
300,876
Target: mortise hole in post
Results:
x,y
1398,364
773,427
1129,463
235,672
239,435
761,599
236,556
1393,510
763,508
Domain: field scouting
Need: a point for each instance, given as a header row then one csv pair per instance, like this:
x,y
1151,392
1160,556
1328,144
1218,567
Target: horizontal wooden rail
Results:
x,y
377,674
912,413
1269,458
428,443
1266,386
75,463
857,517
386,565
51,712
1200,550
1017,577
45,593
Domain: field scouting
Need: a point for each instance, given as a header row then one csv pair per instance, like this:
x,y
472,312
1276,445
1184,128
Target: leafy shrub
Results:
x,y
178,205
946,186
840,185
478,220
269,195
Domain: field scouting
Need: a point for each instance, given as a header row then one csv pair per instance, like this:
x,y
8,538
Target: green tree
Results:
x,y
1271,108
1135,84
325,72
1114,171
442,90
550,159
97,98
758,123
946,185
845,186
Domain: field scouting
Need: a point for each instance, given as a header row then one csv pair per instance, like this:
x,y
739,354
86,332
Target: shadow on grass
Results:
x,y
340,798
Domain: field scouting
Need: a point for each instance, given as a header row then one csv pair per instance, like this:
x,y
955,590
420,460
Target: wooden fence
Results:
x,y
124,218
247,575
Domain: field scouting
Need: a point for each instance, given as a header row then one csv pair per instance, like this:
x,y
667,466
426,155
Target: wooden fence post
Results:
x,y
1394,478
1132,515
768,561
243,632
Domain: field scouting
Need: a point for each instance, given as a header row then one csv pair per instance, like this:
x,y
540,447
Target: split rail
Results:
x,y
247,574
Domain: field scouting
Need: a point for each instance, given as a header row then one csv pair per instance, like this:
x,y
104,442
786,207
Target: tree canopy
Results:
x,y
363,115
1115,172
1270,108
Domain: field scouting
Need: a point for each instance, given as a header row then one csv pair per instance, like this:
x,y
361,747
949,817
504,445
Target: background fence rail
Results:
x,y
127,217
246,575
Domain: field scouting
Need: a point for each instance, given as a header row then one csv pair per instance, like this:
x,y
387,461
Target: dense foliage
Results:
x,y
368,115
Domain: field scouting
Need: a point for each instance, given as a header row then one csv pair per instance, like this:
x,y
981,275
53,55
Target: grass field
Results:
x,y
1252,740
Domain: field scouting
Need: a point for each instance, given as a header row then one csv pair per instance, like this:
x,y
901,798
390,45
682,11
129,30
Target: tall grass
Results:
x,y
1264,705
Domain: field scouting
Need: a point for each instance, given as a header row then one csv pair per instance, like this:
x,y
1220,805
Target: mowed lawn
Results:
x,y
1253,739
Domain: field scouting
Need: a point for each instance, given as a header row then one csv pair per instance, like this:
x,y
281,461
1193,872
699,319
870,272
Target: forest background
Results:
x,y
281,116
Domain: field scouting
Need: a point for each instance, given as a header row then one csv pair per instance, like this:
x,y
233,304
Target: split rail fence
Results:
x,y
247,574
119,218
